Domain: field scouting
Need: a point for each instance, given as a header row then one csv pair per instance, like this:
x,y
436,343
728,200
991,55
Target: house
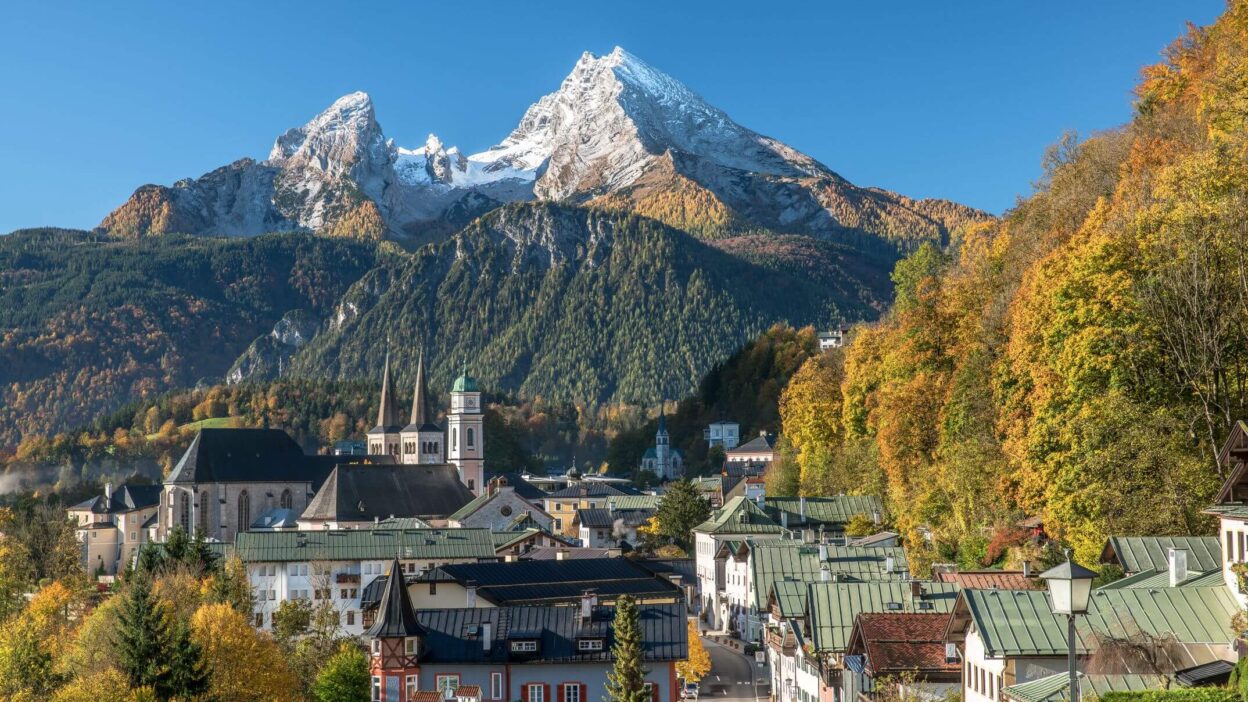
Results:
x,y
832,610
616,524
992,579
1231,510
498,506
532,653
833,338
518,542
738,519
1010,637
113,526
335,565
827,514
227,477
759,452
561,505
722,433
355,496
553,582
560,553
905,649
1140,554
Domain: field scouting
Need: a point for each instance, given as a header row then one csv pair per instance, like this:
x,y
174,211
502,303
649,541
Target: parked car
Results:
x,y
690,691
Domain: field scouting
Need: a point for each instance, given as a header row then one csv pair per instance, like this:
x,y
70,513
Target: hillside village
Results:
x,y
460,582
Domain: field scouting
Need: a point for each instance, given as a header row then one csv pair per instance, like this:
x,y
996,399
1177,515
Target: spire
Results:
x,y
663,417
385,413
421,413
395,616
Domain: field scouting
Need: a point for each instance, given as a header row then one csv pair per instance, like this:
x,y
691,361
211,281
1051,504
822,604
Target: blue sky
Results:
x,y
931,99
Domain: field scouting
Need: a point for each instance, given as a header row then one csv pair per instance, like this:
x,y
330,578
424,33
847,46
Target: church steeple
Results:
x,y
384,438
421,414
423,440
397,638
385,413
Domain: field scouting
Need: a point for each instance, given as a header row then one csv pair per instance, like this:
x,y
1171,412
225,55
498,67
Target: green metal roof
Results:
x,y
473,505
1161,578
1140,553
739,516
774,561
832,511
503,539
364,544
1234,510
790,598
635,501
1056,688
832,607
1021,623
465,383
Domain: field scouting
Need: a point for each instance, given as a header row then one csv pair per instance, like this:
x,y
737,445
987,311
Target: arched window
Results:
x,y
184,504
202,517
288,500
472,437
454,439
244,511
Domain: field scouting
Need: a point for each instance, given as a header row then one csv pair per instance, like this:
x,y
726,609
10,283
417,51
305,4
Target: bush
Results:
x,y
1184,694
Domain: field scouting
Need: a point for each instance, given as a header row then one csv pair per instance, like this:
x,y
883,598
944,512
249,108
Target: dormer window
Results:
x,y
589,645
410,645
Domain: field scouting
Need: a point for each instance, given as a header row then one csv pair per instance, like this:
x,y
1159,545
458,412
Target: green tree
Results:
x,y
344,677
292,620
627,680
681,508
154,651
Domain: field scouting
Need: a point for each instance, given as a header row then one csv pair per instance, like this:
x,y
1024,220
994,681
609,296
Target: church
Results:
x,y
422,441
663,460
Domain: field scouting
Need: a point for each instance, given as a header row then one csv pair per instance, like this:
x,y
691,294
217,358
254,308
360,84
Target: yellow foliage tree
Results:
x,y
243,665
698,664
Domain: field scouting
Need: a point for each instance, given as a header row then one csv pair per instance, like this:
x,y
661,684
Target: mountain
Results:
x,y
618,134
88,323
570,304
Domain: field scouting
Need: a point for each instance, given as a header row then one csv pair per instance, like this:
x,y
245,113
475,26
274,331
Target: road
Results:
x,y
732,675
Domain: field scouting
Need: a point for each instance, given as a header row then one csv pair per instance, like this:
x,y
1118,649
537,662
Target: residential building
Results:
x,y
737,520
359,496
901,649
992,579
723,433
498,507
828,515
336,565
833,338
553,582
615,526
512,544
757,453
562,505
1231,510
113,526
1140,554
501,654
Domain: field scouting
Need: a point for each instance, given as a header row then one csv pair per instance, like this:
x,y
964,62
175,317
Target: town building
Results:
x,y
754,456
498,507
828,515
562,505
737,520
662,459
335,566
723,433
615,526
1144,554
113,526
355,496
531,653
833,338
904,650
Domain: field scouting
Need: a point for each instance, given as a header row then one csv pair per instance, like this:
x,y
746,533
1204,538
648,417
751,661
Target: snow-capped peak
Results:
x,y
349,121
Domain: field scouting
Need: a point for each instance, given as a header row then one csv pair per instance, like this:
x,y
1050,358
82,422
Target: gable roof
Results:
x,y
759,444
833,511
1231,456
1161,578
832,607
739,516
523,488
1137,554
546,581
126,498
1056,688
395,616
477,503
254,456
790,598
991,580
363,493
899,642
1021,623
454,635
591,489
364,545
773,561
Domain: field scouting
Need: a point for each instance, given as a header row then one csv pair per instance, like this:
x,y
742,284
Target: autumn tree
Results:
x,y
242,663
698,664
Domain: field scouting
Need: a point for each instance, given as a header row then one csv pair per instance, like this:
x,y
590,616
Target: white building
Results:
x,y
112,526
723,433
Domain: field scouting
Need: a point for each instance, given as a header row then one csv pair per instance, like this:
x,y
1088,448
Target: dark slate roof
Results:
x,y
545,581
454,635
590,489
250,455
524,488
596,518
756,445
126,498
395,616
365,492
551,553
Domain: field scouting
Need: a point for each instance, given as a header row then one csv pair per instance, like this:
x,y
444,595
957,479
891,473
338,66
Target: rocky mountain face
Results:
x,y
618,134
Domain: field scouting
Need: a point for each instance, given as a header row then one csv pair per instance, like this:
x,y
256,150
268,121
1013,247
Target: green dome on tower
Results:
x,y
465,383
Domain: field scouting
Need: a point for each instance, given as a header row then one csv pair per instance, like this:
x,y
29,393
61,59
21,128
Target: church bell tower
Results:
x,y
464,424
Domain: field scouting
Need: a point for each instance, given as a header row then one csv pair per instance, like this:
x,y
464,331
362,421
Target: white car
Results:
x,y
690,691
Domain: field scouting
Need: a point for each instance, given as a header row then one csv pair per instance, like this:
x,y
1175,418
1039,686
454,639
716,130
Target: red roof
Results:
x,y
468,691
427,696
991,580
897,642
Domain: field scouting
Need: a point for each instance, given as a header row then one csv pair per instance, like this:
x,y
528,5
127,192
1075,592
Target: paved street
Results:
x,y
732,675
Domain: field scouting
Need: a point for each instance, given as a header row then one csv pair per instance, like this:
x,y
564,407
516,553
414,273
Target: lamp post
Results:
x,y
1070,588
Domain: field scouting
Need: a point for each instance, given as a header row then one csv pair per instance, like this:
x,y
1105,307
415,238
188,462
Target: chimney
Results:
x,y
487,638
916,590
560,554
1026,569
823,552
825,573
471,587
587,606
108,491
1178,566
784,519
376,520
801,506
889,563
876,517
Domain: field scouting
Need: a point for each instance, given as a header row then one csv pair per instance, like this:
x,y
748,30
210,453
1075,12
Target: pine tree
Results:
x,y
188,676
153,653
627,680
681,509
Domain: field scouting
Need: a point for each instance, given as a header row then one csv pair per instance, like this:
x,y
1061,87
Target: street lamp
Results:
x,y
1070,588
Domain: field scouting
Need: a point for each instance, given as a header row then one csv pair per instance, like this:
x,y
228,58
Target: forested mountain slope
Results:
x,y
1082,359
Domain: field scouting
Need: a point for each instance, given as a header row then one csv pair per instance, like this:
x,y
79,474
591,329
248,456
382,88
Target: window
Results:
x,y
433,588
443,682
259,620
411,685
558,524
496,686
203,512
537,693
454,439
409,645
1230,546
350,617
472,484
589,645
376,687
524,647
288,500
376,647
571,693
244,511
134,536
184,502
472,437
